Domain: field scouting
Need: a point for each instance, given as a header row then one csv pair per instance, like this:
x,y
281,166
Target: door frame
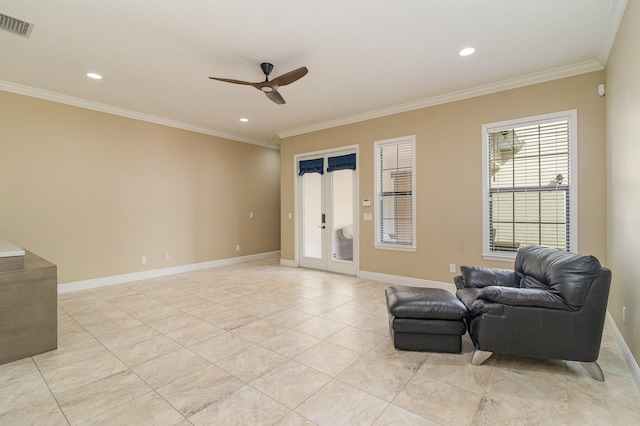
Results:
x,y
356,209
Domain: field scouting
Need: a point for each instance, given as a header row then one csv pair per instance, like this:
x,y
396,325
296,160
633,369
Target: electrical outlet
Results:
x,y
250,215
167,257
624,314
143,259
238,247
452,267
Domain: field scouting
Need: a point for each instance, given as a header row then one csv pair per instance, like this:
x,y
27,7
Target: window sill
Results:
x,y
395,247
510,257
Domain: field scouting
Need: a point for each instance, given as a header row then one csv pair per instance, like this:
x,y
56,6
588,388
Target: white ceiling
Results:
x,y
366,58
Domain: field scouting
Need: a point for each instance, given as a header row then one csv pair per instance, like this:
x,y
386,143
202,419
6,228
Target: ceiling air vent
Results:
x,y
15,26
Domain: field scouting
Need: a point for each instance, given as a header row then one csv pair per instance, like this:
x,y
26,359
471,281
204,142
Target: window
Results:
x,y
395,205
530,184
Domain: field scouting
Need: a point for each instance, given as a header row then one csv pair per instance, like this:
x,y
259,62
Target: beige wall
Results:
x,y
623,176
449,173
93,192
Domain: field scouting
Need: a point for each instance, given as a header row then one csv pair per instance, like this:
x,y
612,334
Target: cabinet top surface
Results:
x,y
31,263
9,250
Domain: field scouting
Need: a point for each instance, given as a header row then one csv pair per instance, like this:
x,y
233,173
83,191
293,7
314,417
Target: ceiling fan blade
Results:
x,y
228,80
275,97
270,88
290,77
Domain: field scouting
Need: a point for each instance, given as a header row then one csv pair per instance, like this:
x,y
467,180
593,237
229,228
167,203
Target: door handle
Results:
x,y
322,227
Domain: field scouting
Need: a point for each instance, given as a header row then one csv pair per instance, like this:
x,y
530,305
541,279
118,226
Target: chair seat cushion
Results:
x,y
424,303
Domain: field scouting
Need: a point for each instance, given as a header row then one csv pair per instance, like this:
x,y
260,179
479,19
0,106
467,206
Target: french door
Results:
x,y
327,234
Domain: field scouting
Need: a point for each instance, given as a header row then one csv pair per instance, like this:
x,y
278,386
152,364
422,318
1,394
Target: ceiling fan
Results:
x,y
270,88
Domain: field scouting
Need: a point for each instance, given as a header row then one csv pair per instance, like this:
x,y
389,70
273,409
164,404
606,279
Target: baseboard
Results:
x,y
392,279
408,281
632,365
136,276
287,262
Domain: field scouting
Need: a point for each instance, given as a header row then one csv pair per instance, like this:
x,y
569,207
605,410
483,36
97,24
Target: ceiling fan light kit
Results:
x,y
270,88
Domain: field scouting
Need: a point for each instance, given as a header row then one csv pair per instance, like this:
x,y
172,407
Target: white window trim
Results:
x,y
572,116
390,246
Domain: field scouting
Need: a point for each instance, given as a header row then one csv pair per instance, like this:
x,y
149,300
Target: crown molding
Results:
x,y
613,19
616,12
514,83
108,109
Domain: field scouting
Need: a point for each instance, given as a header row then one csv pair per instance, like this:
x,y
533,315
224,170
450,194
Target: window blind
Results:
x,y
529,186
341,162
395,193
311,166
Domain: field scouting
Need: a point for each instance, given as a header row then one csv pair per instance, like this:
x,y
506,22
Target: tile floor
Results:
x,y
261,344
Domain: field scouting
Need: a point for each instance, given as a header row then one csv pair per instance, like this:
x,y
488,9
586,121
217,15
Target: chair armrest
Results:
x,y
476,306
532,297
474,277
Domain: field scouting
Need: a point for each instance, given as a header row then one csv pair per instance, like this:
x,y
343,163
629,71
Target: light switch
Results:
x,y
367,217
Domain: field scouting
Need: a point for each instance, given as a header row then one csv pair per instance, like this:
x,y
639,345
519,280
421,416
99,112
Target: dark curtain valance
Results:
x,y
342,162
311,166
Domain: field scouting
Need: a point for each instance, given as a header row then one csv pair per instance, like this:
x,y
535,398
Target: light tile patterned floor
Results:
x,y
261,344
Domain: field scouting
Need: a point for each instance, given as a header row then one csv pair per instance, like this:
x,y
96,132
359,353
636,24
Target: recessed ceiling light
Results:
x,y
466,51
244,120
94,76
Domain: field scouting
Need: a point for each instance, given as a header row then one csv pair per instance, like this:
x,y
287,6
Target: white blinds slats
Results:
x,y
529,186
395,180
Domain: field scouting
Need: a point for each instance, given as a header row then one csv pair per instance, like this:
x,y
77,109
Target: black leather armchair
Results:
x,y
552,305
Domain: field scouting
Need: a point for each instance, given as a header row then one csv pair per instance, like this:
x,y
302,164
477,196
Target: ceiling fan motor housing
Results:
x,y
266,68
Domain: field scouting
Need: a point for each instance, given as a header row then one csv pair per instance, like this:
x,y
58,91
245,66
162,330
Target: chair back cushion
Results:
x,y
566,274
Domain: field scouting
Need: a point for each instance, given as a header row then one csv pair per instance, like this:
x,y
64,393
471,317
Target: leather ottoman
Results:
x,y
425,319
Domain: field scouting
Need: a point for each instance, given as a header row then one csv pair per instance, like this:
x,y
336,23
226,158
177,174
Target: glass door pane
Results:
x,y
342,215
312,215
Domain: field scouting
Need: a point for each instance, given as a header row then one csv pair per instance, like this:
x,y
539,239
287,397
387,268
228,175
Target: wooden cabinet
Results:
x,y
28,307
